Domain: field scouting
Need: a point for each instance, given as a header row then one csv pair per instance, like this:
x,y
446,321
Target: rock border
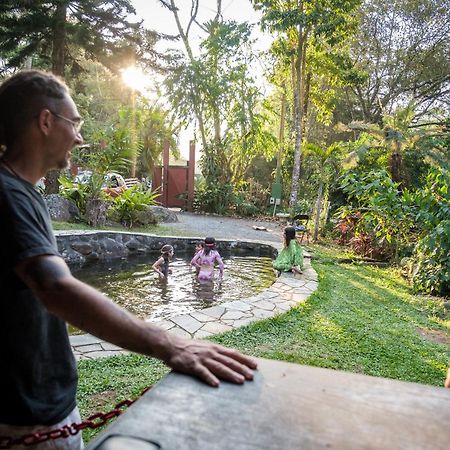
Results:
x,y
288,290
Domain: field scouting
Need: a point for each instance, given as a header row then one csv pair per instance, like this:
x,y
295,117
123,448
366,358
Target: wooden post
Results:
x,y
165,175
190,175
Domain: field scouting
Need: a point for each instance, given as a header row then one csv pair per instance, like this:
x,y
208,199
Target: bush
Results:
x,y
213,198
431,272
380,220
126,206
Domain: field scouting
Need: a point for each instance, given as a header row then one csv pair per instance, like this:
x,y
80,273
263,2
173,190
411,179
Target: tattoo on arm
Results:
x,y
43,272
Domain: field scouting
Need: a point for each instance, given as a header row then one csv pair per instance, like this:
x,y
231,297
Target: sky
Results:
x,y
160,19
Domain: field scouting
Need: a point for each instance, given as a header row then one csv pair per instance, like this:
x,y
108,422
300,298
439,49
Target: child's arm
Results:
x,y
220,262
194,260
157,265
297,255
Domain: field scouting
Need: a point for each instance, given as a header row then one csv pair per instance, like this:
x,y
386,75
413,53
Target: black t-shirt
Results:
x,y
38,376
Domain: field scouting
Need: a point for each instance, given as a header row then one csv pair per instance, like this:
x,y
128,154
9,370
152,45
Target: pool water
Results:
x,y
134,285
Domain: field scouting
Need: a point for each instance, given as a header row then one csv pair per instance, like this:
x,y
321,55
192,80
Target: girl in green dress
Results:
x,y
291,257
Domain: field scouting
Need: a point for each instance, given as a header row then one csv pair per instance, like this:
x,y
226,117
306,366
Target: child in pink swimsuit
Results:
x,y
205,259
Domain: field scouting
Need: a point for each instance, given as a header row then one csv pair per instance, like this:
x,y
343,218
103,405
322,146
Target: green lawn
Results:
x,y
362,319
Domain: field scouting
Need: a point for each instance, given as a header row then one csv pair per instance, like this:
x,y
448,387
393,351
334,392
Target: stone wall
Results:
x,y
83,246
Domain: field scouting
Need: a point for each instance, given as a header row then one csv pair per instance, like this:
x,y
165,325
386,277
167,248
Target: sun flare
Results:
x,y
136,79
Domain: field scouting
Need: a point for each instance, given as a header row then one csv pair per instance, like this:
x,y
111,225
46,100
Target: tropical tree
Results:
x,y
402,47
393,138
216,90
302,25
327,161
56,34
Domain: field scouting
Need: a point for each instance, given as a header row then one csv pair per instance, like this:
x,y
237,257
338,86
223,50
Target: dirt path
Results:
x,y
220,227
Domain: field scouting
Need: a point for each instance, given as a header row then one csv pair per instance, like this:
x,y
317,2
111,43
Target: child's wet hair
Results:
x,y
166,248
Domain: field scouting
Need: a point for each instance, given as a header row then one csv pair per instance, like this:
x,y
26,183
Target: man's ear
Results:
x,y
45,121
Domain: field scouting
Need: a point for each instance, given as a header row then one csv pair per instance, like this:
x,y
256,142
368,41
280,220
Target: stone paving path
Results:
x,y
287,291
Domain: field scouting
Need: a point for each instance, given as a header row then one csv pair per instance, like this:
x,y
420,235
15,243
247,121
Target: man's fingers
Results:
x,y
224,372
206,375
234,365
243,359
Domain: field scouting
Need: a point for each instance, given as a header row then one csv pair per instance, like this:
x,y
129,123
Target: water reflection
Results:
x,y
135,286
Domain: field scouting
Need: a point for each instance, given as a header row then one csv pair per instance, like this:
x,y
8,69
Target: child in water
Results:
x,y
161,266
199,246
205,259
291,257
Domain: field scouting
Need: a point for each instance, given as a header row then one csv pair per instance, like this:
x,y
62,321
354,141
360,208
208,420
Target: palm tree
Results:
x,y
397,134
328,164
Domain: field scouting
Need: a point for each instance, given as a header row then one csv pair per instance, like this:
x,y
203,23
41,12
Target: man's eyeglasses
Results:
x,y
76,123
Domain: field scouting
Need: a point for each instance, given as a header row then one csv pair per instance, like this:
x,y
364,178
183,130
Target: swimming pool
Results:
x,y
135,286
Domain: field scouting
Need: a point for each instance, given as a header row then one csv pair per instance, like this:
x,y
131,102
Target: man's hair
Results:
x,y
23,97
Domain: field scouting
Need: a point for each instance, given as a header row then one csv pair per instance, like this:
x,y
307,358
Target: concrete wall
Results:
x,y
83,246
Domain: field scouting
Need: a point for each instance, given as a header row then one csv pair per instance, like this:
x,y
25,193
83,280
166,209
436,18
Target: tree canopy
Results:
x,y
56,34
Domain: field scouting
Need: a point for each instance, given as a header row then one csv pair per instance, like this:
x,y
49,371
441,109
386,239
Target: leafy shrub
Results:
x,y
213,198
250,198
303,206
78,193
431,258
379,213
126,206
432,271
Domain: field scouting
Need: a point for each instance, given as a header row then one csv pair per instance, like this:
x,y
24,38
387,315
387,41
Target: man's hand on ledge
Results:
x,y
209,362
447,381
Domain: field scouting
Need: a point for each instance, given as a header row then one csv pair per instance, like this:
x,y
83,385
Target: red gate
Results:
x,y
176,183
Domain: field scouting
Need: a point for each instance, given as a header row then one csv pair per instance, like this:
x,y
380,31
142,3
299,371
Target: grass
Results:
x,y
361,319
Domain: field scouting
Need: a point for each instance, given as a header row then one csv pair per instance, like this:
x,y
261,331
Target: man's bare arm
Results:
x,y
84,307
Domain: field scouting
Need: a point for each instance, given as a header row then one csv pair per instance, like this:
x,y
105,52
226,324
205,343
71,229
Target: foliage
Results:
x,y
82,193
250,198
126,206
303,206
432,252
402,47
383,216
77,193
58,34
385,145
307,32
217,90
213,198
327,161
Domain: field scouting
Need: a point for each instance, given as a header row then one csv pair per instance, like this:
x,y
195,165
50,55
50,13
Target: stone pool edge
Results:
x,y
287,291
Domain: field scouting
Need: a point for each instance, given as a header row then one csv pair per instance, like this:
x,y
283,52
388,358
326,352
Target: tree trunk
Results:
x,y
51,182
318,211
306,101
59,39
58,51
281,134
196,96
298,113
